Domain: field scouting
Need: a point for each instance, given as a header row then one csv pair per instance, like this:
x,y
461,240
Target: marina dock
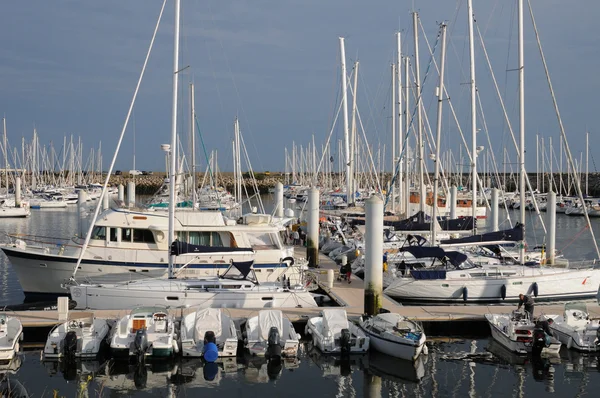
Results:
x,y
350,296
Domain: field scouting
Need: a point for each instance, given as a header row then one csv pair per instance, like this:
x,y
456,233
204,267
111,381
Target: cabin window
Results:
x,y
113,234
262,241
99,233
126,235
201,238
143,235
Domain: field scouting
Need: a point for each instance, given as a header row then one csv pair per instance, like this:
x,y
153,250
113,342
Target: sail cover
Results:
x,y
267,319
453,257
178,248
509,235
421,222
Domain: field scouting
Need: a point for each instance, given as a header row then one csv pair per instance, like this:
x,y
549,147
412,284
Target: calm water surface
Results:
x,y
475,368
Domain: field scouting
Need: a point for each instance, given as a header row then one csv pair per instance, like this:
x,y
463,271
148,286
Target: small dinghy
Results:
x,y
271,335
209,333
333,334
146,331
394,335
11,333
575,329
517,333
82,337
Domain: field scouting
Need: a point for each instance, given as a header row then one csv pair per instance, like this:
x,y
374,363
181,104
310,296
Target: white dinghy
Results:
x,y
575,329
394,335
516,332
81,337
271,335
11,333
333,334
209,325
146,331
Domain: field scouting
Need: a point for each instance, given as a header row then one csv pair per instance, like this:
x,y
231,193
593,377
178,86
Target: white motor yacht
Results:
x,y
11,334
332,333
516,332
205,326
271,335
575,329
81,337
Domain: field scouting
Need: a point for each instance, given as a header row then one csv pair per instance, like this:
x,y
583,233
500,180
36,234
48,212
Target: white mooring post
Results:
x,y
18,192
121,195
105,201
80,210
373,255
131,194
453,197
279,200
494,210
551,212
63,309
312,237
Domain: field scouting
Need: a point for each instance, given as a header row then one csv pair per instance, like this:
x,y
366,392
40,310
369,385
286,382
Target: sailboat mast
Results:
x,y
393,107
438,139
345,110
521,124
5,154
193,142
400,126
473,112
420,146
173,166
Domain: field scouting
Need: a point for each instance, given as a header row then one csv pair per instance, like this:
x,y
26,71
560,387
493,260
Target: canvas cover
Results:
x,y
334,320
208,319
268,319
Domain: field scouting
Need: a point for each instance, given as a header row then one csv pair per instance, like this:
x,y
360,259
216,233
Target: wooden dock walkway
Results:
x,y
347,295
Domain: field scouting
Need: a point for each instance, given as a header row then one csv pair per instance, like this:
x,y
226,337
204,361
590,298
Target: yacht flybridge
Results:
x,y
128,244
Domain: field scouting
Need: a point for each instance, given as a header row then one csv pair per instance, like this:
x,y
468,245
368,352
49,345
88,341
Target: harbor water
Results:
x,y
473,366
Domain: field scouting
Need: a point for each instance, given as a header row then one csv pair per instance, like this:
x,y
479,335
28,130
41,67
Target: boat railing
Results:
x,y
41,242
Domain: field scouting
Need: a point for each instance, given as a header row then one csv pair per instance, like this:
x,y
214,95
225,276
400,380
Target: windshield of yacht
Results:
x,y
576,306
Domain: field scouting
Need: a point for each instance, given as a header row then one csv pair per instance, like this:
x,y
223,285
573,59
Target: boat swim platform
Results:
x,y
349,296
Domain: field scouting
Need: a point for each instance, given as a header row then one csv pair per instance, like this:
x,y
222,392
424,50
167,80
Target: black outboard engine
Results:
x,y
539,342
345,338
70,346
140,344
209,337
273,344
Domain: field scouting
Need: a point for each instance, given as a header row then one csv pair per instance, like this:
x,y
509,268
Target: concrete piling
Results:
x,y
80,210
18,192
279,200
373,255
551,214
312,236
494,211
131,194
121,194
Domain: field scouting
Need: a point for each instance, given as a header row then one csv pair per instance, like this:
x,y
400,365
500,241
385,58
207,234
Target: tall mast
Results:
x,y
473,112
587,155
393,107
400,126
5,154
419,113
438,139
193,142
173,159
521,125
349,196
353,142
407,122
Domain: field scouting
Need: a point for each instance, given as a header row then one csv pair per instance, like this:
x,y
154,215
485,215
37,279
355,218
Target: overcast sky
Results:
x,y
70,67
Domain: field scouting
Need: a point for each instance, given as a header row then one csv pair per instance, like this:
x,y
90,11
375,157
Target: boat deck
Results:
x,y
347,295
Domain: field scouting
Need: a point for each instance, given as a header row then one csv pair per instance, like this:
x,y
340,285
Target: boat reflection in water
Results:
x,y
10,386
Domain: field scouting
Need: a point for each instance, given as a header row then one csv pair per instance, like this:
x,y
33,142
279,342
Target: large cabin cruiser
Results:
x,y
129,243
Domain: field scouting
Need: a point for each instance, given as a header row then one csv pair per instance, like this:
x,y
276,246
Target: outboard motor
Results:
x,y
70,346
345,342
140,344
539,342
273,344
210,351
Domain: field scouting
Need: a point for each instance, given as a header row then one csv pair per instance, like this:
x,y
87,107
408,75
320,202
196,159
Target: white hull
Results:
x,y
14,212
402,351
553,284
40,273
511,345
11,334
185,293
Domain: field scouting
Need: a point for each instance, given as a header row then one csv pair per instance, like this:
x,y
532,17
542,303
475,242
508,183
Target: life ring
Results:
x,y
288,259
